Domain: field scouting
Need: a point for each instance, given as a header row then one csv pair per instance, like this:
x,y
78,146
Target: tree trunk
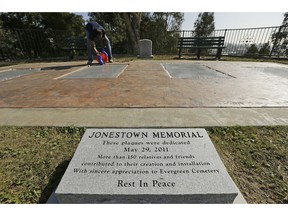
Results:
x,y
132,23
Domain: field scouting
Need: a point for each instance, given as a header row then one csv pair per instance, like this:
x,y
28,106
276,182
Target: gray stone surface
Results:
x,y
97,71
145,48
146,166
277,71
11,73
185,70
144,117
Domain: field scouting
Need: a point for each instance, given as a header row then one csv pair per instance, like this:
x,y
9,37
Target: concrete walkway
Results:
x,y
143,117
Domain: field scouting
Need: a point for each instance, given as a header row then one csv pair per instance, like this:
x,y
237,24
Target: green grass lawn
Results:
x,y
33,160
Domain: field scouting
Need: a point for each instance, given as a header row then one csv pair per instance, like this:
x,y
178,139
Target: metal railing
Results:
x,y
250,41
31,44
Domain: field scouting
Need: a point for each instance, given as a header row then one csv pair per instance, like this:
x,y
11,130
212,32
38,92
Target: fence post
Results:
x,y
225,33
278,34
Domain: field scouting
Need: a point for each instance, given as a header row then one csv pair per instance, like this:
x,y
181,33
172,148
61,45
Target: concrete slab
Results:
x,y
6,74
188,70
144,117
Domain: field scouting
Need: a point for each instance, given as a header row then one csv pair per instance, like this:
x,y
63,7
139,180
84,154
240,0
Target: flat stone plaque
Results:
x,y
10,74
187,70
146,166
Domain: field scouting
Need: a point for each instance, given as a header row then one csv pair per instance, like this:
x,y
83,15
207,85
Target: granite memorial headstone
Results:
x,y
145,48
146,166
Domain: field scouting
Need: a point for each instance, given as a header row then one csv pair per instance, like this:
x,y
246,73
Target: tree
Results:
x,y
110,21
264,49
8,35
35,32
204,25
69,22
21,20
6,42
132,23
57,21
280,38
252,50
116,30
162,29
128,28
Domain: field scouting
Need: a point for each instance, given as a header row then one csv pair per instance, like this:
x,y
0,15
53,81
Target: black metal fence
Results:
x,y
251,41
256,42
32,44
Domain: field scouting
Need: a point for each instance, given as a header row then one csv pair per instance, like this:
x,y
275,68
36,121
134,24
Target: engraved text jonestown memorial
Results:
x,y
146,166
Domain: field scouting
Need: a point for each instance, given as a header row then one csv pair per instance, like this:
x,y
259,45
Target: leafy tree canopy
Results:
x,y
56,21
133,26
204,25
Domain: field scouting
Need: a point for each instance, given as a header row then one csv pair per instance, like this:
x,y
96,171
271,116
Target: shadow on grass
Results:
x,y
53,181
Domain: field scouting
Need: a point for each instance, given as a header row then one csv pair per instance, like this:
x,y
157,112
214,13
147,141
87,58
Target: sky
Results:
x,y
232,20
228,13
